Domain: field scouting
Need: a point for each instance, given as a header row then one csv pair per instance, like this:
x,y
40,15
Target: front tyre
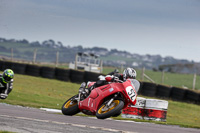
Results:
x,y
106,112
70,107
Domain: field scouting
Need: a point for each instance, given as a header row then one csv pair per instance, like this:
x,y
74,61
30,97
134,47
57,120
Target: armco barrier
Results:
x,y
148,109
62,74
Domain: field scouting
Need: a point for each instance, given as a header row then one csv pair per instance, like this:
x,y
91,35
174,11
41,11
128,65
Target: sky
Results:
x,y
164,27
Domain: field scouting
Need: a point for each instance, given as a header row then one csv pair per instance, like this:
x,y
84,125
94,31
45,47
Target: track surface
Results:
x,y
31,120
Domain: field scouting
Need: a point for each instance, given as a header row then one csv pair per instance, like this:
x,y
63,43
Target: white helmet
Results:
x,y
129,73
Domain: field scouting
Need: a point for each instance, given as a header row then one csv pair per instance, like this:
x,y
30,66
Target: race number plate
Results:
x,y
131,93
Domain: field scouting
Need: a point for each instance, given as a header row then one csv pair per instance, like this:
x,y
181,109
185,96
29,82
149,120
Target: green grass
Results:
x,y
173,79
40,92
6,132
48,93
170,79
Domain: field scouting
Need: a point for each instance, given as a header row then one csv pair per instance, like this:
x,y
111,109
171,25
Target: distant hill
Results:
x,y
46,52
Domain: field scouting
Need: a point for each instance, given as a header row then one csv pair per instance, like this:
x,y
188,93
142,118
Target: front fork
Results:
x,y
111,100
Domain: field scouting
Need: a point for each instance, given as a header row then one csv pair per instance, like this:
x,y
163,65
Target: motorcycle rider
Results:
x,y
6,83
128,73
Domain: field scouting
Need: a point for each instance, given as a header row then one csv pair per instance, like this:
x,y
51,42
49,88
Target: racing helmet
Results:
x,y
8,74
129,73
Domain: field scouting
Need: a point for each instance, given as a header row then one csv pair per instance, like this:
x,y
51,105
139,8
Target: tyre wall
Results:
x,y
178,94
47,72
90,76
163,91
33,70
19,68
62,74
146,88
76,76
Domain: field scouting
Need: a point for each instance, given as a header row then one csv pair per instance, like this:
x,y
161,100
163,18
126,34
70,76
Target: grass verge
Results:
x,y
48,93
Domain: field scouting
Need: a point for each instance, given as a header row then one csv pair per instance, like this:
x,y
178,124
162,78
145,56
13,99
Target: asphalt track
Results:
x,y
31,120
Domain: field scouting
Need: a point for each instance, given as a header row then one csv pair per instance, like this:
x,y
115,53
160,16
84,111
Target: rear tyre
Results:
x,y
70,107
105,112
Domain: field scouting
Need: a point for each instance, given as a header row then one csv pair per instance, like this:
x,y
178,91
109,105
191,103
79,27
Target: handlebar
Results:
x,y
119,81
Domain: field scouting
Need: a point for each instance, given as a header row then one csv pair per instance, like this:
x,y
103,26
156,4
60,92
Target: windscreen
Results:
x,y
136,84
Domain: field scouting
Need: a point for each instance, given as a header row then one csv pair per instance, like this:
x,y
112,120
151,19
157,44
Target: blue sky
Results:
x,y
165,27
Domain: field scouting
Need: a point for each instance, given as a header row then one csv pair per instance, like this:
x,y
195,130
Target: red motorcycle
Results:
x,y
104,101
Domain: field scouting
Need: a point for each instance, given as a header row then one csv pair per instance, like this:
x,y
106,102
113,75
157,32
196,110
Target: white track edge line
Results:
x,y
63,123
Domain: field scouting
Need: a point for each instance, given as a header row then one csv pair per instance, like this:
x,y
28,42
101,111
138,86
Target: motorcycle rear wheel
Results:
x,y
70,107
105,112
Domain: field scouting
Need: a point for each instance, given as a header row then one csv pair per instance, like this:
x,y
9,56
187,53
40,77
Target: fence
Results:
x,y
143,75
146,88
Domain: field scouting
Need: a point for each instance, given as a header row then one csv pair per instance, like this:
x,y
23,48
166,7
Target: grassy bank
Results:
x,y
40,92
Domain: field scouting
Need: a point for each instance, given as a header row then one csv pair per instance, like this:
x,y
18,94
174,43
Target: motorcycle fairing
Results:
x,y
130,91
97,96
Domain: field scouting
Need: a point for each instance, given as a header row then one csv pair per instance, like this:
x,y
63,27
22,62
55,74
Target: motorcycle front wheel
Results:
x,y
107,111
70,107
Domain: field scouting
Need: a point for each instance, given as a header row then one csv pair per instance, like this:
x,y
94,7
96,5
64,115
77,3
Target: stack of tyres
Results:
x,y
155,110
19,68
76,76
47,72
178,94
62,74
140,90
163,91
91,76
1,65
148,89
192,96
135,111
33,70
7,65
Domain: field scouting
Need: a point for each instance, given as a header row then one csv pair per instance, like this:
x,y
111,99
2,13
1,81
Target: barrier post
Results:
x,y
194,81
101,65
142,75
57,58
34,56
76,59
